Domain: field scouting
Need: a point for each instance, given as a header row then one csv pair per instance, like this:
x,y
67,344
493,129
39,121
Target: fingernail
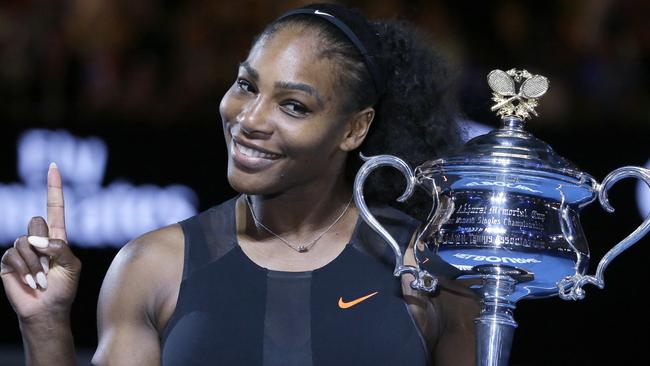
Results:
x,y
53,165
41,279
29,279
45,263
38,241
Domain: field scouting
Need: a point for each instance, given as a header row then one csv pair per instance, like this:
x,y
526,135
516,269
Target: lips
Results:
x,y
249,157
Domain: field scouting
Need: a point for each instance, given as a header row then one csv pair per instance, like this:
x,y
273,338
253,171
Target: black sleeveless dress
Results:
x,y
231,311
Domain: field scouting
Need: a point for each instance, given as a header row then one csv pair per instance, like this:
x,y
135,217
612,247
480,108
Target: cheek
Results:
x,y
312,145
228,107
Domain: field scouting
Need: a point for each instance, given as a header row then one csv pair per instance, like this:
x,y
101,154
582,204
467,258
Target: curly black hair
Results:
x,y
415,118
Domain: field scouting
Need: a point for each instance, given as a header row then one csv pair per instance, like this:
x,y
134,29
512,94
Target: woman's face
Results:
x,y
281,117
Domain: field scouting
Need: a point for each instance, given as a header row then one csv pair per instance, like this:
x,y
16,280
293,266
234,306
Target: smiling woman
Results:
x,y
286,273
284,104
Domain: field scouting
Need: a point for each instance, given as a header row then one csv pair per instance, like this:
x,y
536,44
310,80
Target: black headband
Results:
x,y
364,38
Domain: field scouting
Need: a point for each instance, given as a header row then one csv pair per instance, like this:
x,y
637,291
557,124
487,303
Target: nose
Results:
x,y
253,119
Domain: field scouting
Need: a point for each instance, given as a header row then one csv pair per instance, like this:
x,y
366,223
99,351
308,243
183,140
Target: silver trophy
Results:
x,y
506,210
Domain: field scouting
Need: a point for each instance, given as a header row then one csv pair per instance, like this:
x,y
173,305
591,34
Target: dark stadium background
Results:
x,y
146,76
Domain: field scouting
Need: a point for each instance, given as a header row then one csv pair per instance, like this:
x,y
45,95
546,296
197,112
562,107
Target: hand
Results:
x,y
40,273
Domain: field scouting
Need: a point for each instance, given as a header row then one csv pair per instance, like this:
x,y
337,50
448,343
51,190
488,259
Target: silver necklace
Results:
x,y
301,248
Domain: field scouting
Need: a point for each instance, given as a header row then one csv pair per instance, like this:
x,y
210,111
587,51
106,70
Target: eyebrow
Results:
x,y
250,70
287,85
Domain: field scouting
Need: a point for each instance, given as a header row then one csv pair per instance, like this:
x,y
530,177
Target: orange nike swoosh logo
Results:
x,y
345,305
426,259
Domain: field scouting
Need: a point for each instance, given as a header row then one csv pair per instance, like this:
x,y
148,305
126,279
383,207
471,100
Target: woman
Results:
x,y
286,273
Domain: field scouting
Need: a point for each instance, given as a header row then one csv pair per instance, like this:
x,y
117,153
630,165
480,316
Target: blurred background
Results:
x,y
123,95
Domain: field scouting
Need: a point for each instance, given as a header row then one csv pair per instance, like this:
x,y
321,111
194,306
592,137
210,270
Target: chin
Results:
x,y
251,184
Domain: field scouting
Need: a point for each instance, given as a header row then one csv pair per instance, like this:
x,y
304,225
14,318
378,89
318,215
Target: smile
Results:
x,y
253,153
251,159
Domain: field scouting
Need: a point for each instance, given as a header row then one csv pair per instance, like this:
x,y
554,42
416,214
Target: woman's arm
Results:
x,y
457,307
48,341
446,318
40,275
137,298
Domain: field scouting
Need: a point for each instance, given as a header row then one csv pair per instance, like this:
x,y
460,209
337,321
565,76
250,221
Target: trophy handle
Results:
x,y
567,230
423,280
570,288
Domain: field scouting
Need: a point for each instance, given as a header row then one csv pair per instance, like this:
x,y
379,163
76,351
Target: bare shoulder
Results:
x,y
138,296
148,268
166,242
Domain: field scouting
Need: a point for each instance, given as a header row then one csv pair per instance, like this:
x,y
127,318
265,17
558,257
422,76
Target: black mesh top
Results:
x,y
231,311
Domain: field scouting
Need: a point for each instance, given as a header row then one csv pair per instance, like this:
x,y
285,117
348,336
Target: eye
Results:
x,y
245,86
296,108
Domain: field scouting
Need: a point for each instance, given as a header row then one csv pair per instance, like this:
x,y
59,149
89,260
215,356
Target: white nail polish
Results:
x,y
41,279
38,241
53,165
45,263
30,281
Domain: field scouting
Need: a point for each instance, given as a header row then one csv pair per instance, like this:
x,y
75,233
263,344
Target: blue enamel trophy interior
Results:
x,y
507,199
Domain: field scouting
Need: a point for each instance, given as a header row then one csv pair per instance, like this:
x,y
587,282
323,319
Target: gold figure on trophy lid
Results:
x,y
511,103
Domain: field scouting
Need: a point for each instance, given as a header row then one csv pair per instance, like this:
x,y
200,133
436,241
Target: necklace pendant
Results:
x,y
301,248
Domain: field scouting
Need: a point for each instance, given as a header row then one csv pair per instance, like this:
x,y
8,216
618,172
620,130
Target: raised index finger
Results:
x,y
55,206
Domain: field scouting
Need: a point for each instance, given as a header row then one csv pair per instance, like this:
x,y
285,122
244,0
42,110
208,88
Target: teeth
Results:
x,y
254,153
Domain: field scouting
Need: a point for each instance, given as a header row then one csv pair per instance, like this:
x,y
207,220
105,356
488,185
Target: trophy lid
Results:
x,y
510,153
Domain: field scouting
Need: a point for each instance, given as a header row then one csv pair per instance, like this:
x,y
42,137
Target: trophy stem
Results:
x,y
495,326
512,123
